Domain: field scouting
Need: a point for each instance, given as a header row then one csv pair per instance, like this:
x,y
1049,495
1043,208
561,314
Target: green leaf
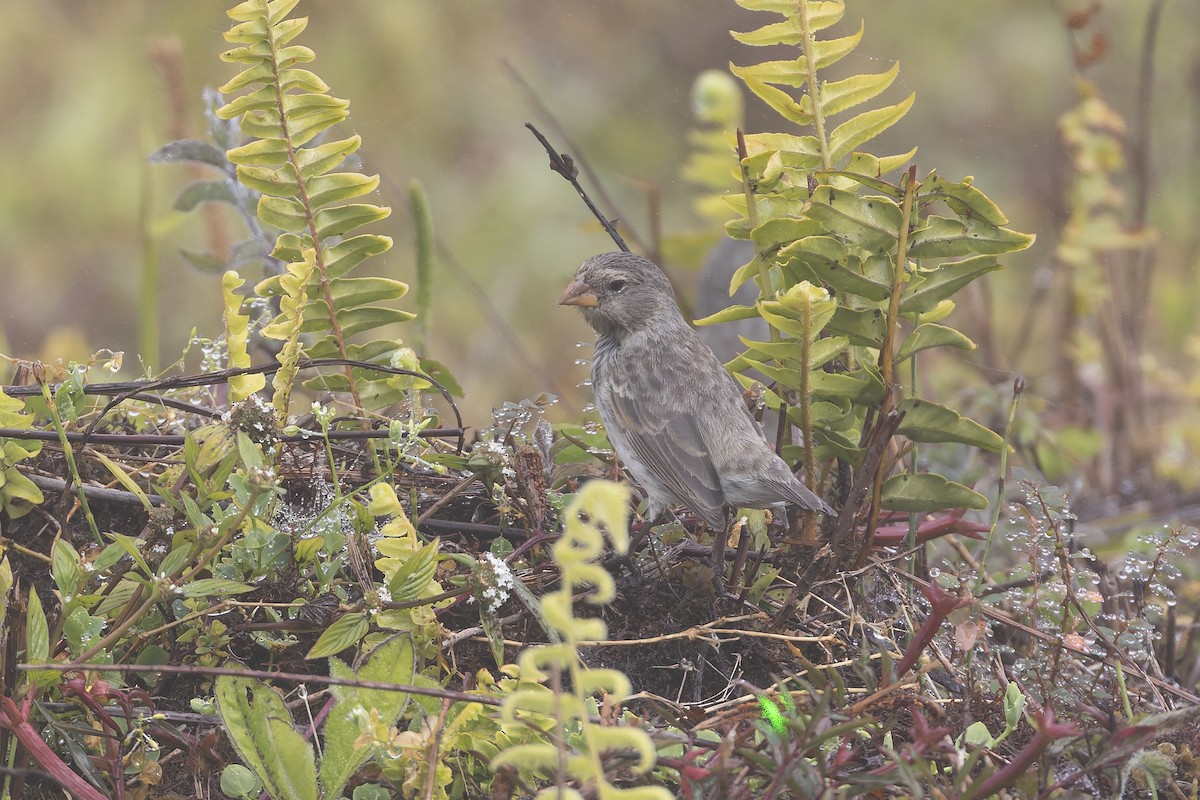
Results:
x,y
830,263
440,373
1014,706
831,51
783,103
343,219
214,587
66,570
37,642
260,727
872,222
792,72
270,152
123,478
977,733
353,292
339,187
19,494
774,233
820,15
391,662
216,191
841,95
864,127
239,782
356,320
927,335
37,631
118,598
282,213
942,237
81,630
859,386
730,314
820,351
863,327
248,78
868,170
130,545
928,492
193,150
346,631
963,198
411,580
925,421
311,121
275,181
784,143
260,99
321,158
943,281
349,253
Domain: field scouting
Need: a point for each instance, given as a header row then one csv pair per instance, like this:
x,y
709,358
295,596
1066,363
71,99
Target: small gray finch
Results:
x,y
674,415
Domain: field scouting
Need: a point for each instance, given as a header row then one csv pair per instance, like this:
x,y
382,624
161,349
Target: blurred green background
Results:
x,y
432,94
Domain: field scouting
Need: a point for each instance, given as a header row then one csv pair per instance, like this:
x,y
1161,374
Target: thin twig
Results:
x,y
544,111
102,493
266,675
564,165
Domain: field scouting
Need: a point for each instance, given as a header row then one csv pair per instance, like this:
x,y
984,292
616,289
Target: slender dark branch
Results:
x,y
875,447
126,390
557,129
176,439
293,677
102,493
564,165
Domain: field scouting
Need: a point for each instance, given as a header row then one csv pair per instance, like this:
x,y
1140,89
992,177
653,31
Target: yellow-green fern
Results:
x,y
284,108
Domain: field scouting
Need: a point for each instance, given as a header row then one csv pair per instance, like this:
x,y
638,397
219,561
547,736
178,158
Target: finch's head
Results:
x,y
620,293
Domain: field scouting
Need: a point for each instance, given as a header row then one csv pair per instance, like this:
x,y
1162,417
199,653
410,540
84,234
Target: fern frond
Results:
x,y
820,100
237,327
283,108
821,214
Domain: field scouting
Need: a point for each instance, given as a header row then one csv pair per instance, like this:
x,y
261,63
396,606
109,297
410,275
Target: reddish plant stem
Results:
x,y
16,719
1047,731
941,604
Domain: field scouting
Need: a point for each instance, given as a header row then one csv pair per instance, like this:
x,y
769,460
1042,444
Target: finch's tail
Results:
x,y
801,496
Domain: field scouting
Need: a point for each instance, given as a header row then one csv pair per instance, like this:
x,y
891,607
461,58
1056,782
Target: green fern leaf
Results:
x,y
864,127
838,96
283,107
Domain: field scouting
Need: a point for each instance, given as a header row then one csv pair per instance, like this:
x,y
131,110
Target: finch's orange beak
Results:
x,y
579,293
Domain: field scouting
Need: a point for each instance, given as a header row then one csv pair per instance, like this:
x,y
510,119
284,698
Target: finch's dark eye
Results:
x,y
616,286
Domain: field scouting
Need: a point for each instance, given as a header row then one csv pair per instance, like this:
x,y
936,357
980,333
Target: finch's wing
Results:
x,y
660,433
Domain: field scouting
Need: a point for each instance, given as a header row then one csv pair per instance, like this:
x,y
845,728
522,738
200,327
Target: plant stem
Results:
x,y
155,586
764,274
69,455
423,234
910,541
808,43
887,361
1018,388
804,406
